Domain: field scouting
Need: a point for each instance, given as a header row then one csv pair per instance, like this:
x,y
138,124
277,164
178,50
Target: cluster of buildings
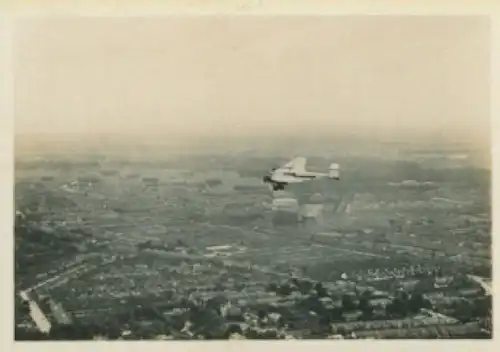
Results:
x,y
178,282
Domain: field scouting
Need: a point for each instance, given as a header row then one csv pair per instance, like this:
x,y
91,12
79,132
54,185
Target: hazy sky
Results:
x,y
249,75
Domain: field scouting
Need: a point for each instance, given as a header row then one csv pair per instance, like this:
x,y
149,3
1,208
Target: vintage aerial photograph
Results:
x,y
252,177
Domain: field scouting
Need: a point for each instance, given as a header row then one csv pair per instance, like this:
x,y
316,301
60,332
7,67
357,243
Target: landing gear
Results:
x,y
278,187
274,185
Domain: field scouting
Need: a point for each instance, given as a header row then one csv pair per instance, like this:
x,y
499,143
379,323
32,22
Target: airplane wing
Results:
x,y
297,164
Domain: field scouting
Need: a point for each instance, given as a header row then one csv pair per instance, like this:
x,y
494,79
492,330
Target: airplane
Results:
x,y
295,172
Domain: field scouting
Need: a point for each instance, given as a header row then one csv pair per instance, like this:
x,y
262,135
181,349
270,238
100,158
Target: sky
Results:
x,y
184,77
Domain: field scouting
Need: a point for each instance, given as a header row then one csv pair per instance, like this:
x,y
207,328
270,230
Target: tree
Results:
x,y
285,289
281,322
336,314
463,310
482,307
209,324
29,335
23,308
295,282
71,332
320,289
180,243
341,330
325,322
399,307
365,306
312,303
219,286
347,302
417,302
272,287
216,302
261,314
305,286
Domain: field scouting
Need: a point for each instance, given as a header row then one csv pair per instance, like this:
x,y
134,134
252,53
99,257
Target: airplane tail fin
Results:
x,y
334,171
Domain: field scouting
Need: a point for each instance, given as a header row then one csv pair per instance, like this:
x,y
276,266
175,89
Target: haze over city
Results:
x,y
185,77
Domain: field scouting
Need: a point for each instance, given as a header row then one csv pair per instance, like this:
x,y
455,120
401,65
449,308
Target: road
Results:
x,y
36,314
484,284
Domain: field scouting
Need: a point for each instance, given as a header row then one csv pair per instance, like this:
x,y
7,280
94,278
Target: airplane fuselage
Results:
x,y
294,172
296,178
307,175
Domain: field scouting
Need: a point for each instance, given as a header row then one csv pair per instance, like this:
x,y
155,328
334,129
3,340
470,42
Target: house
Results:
x,y
352,315
380,302
442,282
303,321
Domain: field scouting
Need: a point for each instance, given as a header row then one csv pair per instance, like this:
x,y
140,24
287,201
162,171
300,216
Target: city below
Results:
x,y
193,245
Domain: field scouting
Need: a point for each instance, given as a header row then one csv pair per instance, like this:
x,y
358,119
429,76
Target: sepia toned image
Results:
x,y
252,177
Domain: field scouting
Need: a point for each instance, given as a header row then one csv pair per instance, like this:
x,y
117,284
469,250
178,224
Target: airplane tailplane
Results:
x,y
334,171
